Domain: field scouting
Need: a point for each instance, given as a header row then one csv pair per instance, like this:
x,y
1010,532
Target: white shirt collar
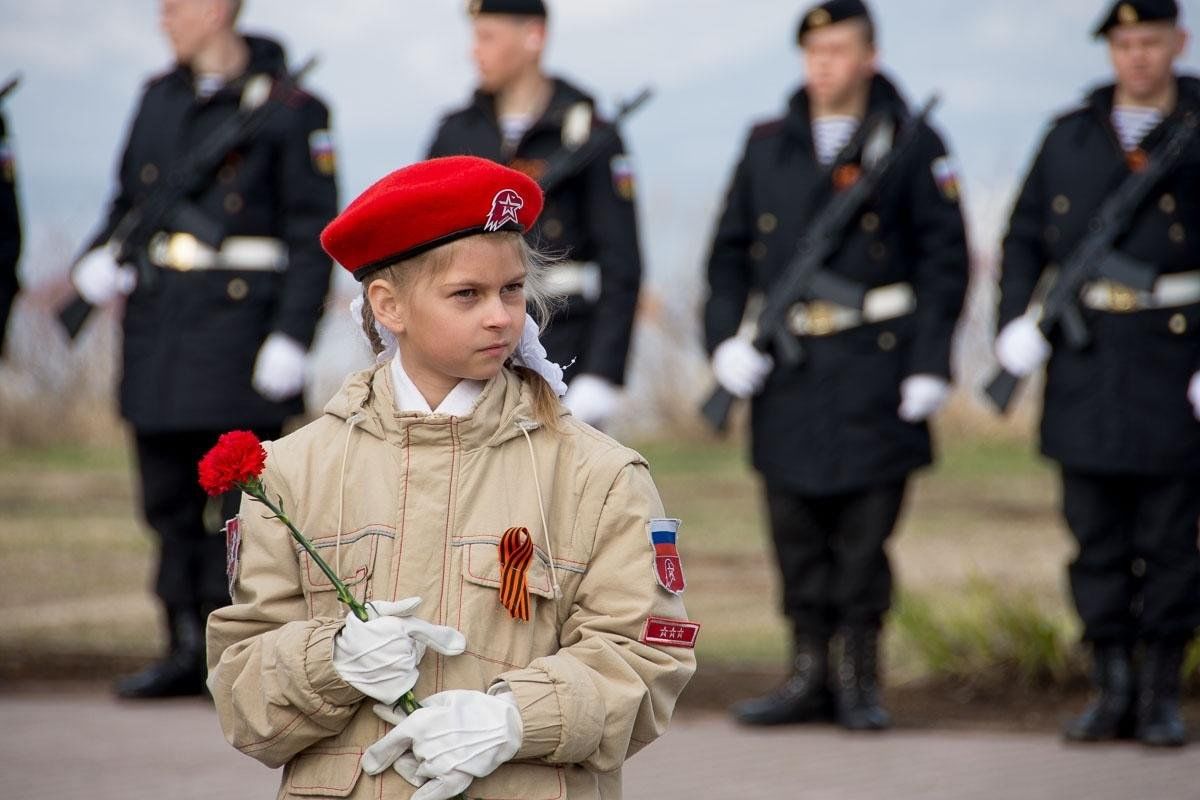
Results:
x,y
458,403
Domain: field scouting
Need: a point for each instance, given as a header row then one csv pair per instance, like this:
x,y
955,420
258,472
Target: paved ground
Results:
x,y
81,744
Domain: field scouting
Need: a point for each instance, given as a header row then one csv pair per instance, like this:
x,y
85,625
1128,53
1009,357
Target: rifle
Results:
x,y
166,205
1095,256
568,161
806,275
8,87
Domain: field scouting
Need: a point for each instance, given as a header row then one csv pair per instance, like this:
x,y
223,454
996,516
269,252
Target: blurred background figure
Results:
x,y
836,437
522,117
215,338
1120,415
10,222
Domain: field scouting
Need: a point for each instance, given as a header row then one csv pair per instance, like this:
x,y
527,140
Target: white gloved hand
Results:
x,y
1194,394
922,396
279,368
380,657
454,731
99,279
408,766
740,368
592,399
1021,348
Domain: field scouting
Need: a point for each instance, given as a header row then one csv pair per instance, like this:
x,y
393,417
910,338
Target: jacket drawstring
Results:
x,y
351,422
525,426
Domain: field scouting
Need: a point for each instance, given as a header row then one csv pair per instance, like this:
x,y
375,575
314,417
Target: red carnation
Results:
x,y
238,458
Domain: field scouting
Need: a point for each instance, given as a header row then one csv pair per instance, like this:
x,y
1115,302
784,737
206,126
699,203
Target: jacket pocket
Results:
x,y
354,565
325,774
520,782
491,631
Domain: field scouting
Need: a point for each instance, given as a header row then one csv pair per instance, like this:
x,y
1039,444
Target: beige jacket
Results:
x,y
422,502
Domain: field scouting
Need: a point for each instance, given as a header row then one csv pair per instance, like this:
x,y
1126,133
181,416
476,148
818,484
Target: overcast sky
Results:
x,y
389,68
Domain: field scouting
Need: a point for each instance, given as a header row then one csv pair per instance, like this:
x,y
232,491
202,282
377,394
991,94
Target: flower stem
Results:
x,y
254,487
256,490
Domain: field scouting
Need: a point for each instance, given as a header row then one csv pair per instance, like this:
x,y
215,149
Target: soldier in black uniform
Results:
x,y
521,117
10,232
219,340
837,437
1120,416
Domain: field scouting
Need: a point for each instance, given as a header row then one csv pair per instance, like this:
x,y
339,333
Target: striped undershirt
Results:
x,y
830,135
1132,123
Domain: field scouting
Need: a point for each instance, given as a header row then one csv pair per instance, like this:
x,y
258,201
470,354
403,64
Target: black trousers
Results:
x,y
831,556
191,565
1137,573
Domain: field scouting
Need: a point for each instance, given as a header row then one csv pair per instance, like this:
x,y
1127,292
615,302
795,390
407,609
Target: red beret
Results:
x,y
428,204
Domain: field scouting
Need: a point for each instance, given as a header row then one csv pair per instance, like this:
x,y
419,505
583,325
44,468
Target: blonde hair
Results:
x,y
538,299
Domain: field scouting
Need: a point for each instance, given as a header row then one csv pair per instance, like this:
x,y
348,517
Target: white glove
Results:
x,y
380,657
740,368
456,731
99,279
408,766
1021,348
1194,394
592,399
922,396
279,368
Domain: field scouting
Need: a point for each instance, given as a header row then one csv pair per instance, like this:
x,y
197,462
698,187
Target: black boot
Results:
x,y
858,705
182,672
1111,714
1159,721
804,697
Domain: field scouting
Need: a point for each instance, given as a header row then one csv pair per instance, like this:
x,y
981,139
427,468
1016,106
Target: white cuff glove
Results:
x,y
592,399
1021,348
279,368
99,279
1194,394
922,396
740,368
454,733
380,657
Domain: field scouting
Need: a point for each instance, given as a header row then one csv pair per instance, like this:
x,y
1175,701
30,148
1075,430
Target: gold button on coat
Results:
x,y
1061,204
1177,324
149,173
237,289
767,222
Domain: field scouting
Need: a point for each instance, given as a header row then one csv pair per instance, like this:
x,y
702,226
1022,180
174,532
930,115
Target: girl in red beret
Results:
x,y
523,578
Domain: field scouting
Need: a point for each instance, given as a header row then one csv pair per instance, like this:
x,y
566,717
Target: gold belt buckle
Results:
x,y
175,251
819,317
1121,299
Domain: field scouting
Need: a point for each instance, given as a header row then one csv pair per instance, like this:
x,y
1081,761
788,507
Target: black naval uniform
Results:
x,y
590,218
10,232
826,437
191,338
1116,415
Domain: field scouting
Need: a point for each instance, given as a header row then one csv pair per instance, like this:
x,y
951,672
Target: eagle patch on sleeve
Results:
x,y
945,175
320,147
7,162
622,177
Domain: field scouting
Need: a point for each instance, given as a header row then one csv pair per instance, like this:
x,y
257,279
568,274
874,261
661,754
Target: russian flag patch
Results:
x,y
668,568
